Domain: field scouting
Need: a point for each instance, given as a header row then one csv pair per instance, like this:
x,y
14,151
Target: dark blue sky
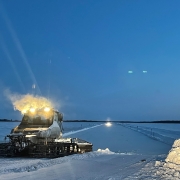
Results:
x,y
79,53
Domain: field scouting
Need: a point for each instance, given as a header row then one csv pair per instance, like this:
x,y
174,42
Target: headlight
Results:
x,y
47,109
108,124
32,110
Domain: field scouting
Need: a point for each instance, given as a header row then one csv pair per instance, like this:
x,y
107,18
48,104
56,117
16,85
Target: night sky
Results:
x,y
97,59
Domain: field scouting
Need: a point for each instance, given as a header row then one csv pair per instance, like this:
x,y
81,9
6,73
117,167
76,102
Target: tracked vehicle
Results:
x,y
40,135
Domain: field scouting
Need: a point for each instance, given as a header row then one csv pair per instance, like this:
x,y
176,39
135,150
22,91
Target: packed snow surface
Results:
x,y
156,131
120,152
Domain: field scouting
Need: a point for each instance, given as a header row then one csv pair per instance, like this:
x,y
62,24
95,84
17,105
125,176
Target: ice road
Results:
x,y
119,153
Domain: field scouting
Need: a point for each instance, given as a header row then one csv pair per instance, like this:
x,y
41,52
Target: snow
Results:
x,y
102,164
121,139
107,151
170,168
163,135
120,152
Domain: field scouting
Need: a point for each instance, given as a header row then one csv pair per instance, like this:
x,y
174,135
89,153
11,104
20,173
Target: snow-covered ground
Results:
x,y
120,152
166,133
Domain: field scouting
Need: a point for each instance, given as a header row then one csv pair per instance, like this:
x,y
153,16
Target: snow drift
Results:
x,y
172,162
170,169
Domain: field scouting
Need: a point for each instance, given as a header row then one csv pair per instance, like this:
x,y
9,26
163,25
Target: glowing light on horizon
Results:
x,y
130,72
108,124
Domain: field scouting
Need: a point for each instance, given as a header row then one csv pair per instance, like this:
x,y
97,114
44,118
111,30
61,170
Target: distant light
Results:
x,y
32,110
130,72
108,124
47,109
144,71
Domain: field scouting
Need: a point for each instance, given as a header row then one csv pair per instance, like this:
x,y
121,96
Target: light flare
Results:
x,y
28,102
32,110
108,124
18,45
46,109
24,111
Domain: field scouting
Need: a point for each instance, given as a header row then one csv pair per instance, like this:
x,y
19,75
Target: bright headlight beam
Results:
x,y
47,109
18,44
32,110
24,111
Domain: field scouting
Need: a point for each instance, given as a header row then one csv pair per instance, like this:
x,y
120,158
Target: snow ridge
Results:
x,y
170,169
